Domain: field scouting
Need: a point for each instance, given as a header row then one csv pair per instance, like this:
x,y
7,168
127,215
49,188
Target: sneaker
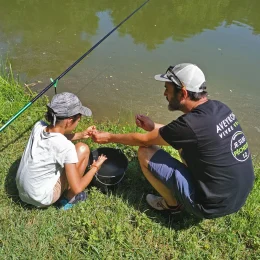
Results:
x,y
66,204
159,203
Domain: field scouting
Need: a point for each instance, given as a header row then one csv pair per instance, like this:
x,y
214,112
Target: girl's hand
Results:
x,y
88,132
97,163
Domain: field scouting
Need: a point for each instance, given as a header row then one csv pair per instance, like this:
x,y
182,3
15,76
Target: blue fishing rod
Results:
x,y
54,82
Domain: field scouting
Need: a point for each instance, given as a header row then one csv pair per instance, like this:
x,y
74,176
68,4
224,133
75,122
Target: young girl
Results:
x,y
51,163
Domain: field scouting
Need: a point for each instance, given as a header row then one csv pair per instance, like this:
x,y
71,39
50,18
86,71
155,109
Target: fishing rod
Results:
x,y
54,82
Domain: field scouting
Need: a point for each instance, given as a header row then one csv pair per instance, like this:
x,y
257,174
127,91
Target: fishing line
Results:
x,y
68,69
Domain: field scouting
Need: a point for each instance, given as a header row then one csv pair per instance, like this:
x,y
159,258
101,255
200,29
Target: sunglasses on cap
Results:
x,y
173,78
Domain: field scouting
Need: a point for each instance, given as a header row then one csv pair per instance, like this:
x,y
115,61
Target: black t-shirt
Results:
x,y
216,152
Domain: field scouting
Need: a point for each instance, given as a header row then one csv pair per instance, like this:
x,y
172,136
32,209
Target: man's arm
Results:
x,y
134,139
157,126
146,123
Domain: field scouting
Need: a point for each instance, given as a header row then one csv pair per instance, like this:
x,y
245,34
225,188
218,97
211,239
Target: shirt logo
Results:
x,y
239,147
226,126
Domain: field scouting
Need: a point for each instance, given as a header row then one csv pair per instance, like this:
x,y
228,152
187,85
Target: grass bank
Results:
x,y
118,225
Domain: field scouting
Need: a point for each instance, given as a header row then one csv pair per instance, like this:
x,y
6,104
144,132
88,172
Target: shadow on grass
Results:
x,y
134,188
11,188
29,128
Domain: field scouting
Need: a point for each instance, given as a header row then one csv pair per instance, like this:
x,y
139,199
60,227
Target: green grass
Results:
x,y
117,225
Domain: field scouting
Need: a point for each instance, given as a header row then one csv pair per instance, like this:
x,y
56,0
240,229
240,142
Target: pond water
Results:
x,y
43,38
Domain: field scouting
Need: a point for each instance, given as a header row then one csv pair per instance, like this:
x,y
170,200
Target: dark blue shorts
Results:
x,y
176,176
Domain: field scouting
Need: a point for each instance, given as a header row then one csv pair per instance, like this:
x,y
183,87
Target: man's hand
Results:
x,y
144,122
100,137
88,132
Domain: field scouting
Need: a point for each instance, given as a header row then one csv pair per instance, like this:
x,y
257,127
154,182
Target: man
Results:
x,y
216,175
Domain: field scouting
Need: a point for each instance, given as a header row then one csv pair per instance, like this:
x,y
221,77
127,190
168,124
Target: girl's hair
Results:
x,y
49,116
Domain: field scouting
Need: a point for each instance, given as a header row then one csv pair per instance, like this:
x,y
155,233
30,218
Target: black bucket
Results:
x,y
112,170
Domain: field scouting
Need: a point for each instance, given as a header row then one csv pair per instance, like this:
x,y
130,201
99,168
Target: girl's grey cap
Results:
x,y
67,104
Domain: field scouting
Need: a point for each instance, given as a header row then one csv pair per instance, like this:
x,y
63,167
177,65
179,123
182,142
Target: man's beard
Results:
x,y
174,104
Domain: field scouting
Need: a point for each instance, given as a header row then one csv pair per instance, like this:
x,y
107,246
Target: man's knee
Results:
x,y
145,154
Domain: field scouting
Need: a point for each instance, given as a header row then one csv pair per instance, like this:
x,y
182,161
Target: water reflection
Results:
x,y
66,27
179,19
42,38
44,35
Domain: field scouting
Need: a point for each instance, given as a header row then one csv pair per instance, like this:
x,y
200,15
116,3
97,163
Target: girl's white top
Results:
x,y
42,164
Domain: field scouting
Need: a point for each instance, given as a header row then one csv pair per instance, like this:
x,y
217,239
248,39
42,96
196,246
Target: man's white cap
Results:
x,y
190,76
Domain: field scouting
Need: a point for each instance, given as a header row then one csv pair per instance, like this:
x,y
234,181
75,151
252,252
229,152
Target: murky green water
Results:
x,y
43,38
